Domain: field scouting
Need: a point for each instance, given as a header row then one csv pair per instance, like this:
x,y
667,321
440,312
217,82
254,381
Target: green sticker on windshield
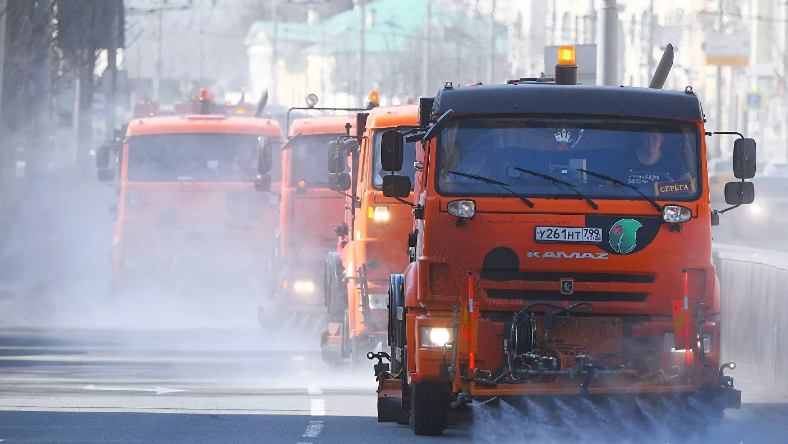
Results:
x,y
623,236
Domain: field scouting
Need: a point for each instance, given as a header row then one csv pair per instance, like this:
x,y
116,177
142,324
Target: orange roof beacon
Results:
x,y
371,237
561,248
195,202
308,213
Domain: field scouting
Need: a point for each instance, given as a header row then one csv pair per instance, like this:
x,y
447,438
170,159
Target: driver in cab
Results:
x,y
653,162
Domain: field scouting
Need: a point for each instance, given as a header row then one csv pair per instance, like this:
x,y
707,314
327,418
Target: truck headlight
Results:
x,y
378,301
379,213
304,286
435,337
676,214
465,209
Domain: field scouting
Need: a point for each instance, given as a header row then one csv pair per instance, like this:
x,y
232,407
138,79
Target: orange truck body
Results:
x,y
308,213
215,227
469,277
377,228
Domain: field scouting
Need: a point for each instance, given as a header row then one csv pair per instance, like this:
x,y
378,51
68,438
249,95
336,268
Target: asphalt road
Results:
x,y
244,386
158,371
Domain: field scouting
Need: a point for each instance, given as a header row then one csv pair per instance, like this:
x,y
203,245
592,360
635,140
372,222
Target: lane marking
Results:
x,y
317,407
313,429
314,390
157,390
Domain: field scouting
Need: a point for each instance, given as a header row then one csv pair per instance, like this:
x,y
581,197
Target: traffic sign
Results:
x,y
754,100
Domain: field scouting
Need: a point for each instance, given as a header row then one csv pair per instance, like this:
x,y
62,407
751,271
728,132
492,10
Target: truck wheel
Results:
x,y
335,290
396,329
346,346
428,408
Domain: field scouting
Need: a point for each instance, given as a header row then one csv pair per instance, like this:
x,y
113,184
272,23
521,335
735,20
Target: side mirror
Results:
x,y
339,181
396,186
106,175
262,182
336,158
739,193
744,159
391,150
439,126
102,157
264,155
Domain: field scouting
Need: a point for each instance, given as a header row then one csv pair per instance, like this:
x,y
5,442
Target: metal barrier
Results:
x,y
754,293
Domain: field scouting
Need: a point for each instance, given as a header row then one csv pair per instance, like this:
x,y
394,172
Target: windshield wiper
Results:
x,y
494,182
623,184
559,181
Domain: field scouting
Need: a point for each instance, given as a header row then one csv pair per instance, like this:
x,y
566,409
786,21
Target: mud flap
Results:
x,y
331,343
390,401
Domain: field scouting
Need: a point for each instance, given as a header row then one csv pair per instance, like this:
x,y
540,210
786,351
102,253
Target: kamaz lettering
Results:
x,y
563,255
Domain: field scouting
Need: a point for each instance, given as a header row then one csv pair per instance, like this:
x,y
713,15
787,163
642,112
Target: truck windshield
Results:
x,y
658,157
408,159
308,157
197,157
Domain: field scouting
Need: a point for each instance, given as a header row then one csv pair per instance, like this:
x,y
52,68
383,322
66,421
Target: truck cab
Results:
x,y
308,213
562,249
371,241
195,202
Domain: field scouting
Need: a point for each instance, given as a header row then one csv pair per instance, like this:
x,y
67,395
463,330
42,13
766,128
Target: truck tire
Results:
x,y
335,290
428,408
347,348
396,328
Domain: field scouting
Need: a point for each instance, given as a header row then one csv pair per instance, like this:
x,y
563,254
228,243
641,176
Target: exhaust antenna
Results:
x,y
261,104
663,69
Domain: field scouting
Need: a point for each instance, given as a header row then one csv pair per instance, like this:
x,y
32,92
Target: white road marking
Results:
x,y
313,429
317,407
157,390
314,390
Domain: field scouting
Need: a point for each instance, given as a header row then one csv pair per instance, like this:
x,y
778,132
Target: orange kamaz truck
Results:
x,y
195,206
308,214
371,238
562,249
309,210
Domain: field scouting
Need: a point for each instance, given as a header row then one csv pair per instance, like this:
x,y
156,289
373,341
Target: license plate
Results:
x,y
568,234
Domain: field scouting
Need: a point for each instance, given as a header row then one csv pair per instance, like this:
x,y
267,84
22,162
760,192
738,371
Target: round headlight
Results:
x,y
311,100
676,214
465,209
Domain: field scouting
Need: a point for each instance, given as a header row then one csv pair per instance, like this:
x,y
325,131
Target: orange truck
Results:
x,y
562,249
195,206
308,213
371,239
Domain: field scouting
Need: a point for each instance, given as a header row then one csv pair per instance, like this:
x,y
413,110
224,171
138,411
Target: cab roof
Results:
x,y
203,124
393,116
310,126
533,98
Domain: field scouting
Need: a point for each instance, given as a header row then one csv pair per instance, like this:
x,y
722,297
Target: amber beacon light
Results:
x,y
566,69
373,100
